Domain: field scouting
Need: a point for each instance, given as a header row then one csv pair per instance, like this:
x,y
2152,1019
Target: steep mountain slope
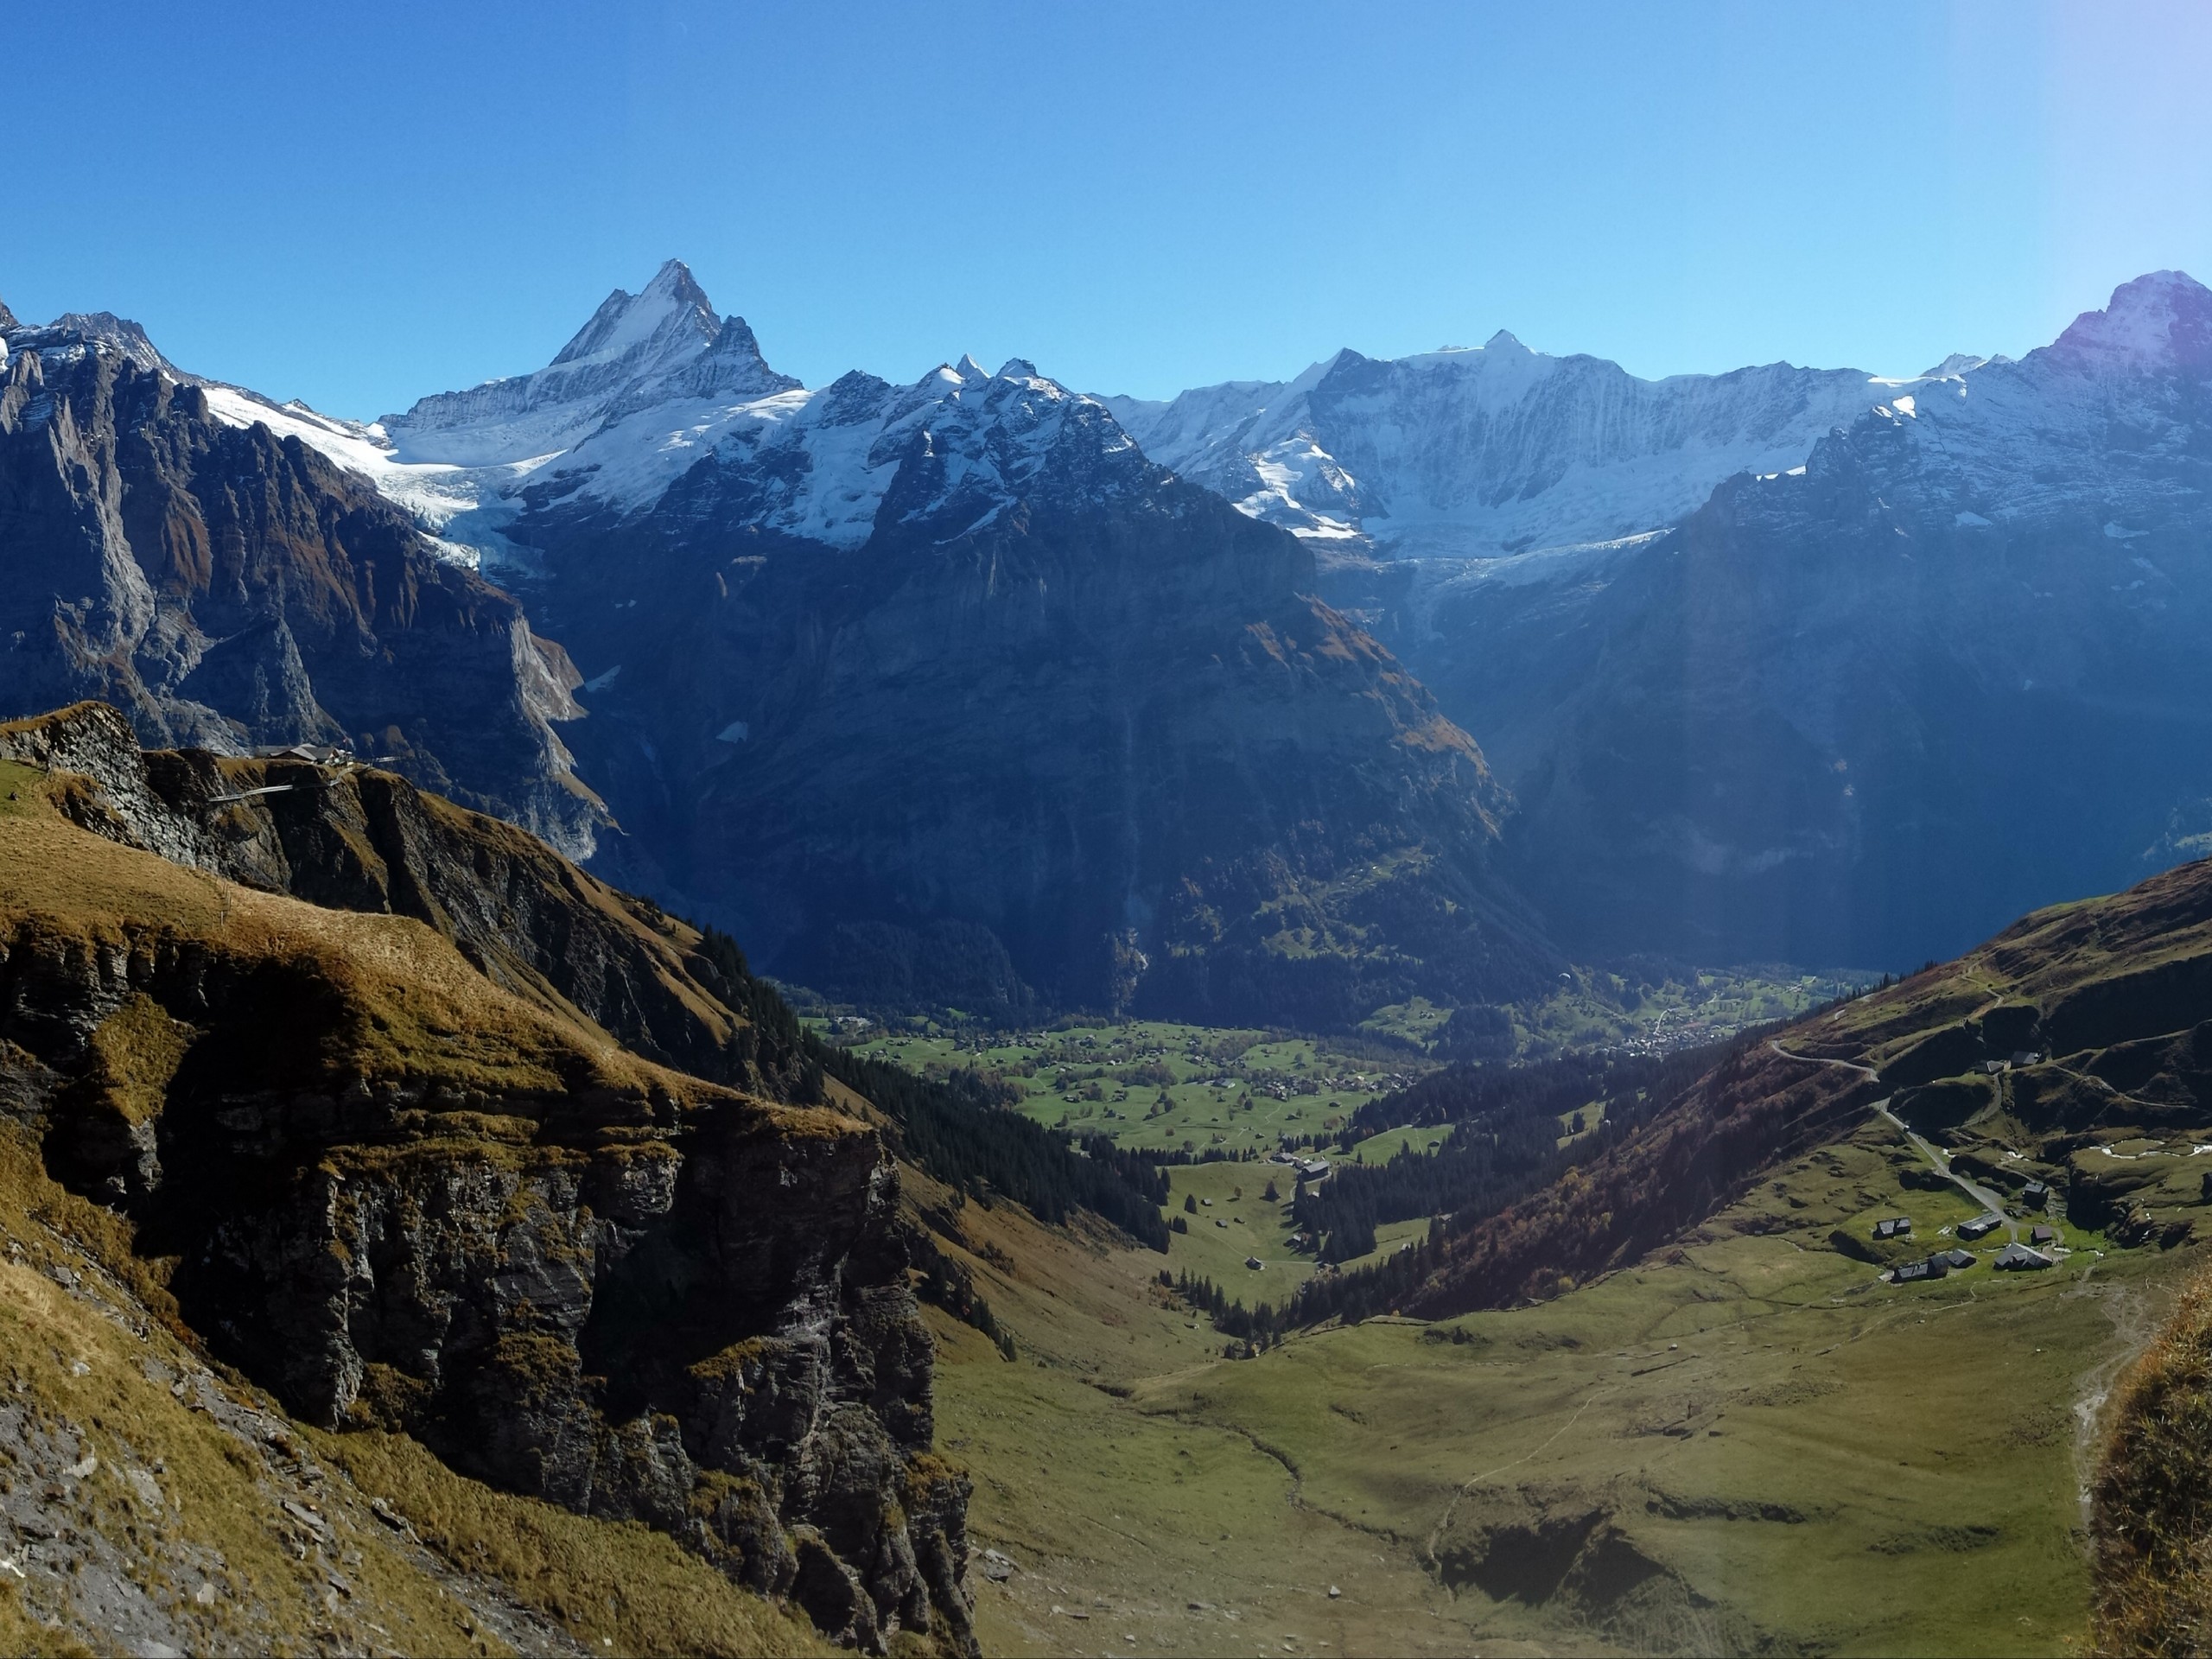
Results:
x,y
950,676
228,586
157,1502
2068,1050
384,1161
1480,454
1862,711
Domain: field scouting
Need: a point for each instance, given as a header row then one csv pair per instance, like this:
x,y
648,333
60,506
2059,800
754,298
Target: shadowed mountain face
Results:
x,y
228,588
1882,689
940,692
1951,668
1053,697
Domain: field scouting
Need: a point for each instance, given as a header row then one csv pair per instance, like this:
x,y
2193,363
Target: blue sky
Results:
x,y
360,204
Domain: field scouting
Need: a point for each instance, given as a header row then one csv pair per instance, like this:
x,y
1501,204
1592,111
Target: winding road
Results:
x,y
1981,1195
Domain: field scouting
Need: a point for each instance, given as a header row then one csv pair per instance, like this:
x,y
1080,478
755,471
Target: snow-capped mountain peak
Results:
x,y
672,311
2162,321
77,332
639,351
1959,365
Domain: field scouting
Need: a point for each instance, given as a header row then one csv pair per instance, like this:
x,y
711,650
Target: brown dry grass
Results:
x,y
406,1007
608,1581
2152,1513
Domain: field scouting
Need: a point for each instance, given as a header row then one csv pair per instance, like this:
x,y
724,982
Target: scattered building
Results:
x,y
2025,1056
2019,1257
1253,1262
2036,1195
1911,1272
2043,1236
1956,1260
1981,1226
1992,1067
1895,1227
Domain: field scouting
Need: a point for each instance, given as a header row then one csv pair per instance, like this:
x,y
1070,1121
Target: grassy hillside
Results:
x,y
2153,1494
1679,1404
1748,1442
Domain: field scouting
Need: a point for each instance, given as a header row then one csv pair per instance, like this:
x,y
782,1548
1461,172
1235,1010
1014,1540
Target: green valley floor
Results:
x,y
1746,1443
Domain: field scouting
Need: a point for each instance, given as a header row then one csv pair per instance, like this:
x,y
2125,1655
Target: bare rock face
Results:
x,y
444,1203
226,589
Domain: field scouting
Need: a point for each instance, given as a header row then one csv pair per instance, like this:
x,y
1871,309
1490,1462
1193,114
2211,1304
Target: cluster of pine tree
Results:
x,y
1505,1123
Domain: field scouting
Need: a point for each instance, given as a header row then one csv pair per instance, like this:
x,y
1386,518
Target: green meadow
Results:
x,y
1747,1442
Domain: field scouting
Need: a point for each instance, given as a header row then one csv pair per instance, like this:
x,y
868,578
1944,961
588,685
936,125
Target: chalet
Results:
x,y
1313,1168
1956,1260
2036,1194
1908,1272
2020,1258
1981,1226
1992,1067
321,754
2024,1056
2041,1236
1895,1227
1253,1262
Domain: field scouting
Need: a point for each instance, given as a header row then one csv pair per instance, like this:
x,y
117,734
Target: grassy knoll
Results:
x,y
1749,1440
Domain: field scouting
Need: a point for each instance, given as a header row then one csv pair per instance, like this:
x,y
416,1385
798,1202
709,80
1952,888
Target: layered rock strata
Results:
x,y
401,1194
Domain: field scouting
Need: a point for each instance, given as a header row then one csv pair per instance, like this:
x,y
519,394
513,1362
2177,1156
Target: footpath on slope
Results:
x,y
1981,1195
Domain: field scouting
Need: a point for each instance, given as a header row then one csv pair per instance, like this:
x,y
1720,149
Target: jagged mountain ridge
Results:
x,y
957,656
228,586
787,599
1485,452
810,530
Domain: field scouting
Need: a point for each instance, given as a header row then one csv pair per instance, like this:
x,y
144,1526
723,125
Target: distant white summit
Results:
x,y
1480,452
639,351
2161,321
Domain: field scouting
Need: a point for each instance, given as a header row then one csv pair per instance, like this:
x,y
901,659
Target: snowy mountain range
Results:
x,y
1487,452
969,652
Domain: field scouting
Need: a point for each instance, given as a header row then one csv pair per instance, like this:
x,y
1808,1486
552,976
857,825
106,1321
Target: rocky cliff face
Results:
x,y
229,588
403,1195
